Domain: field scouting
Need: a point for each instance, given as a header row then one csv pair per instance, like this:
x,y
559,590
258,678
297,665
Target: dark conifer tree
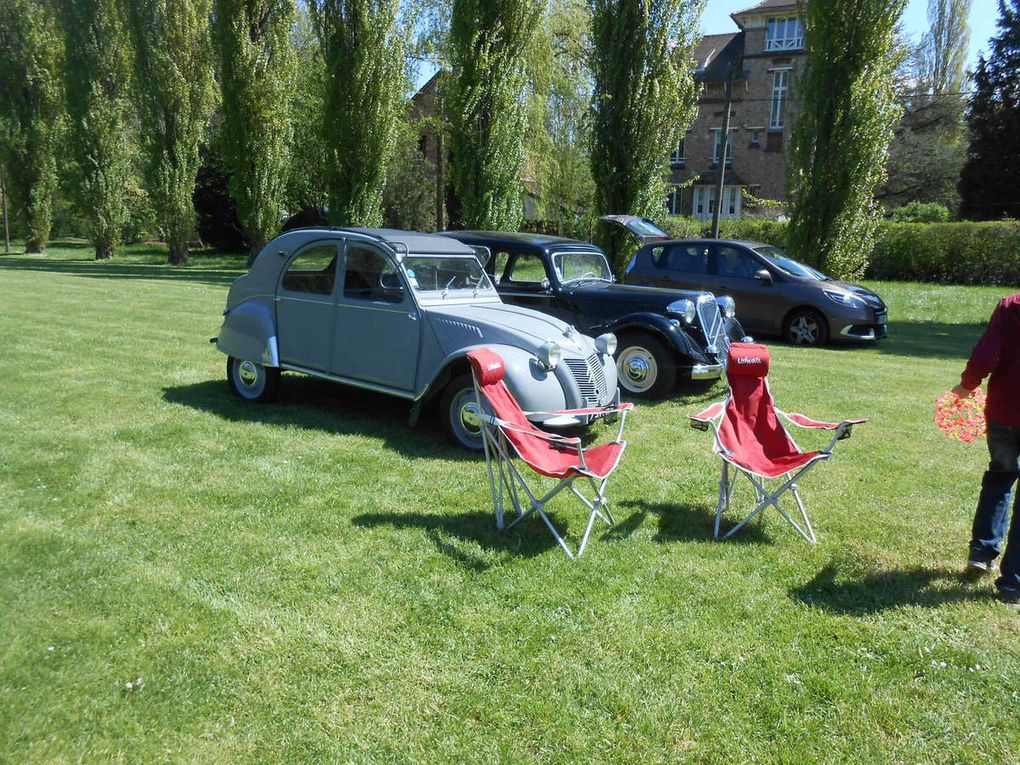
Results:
x,y
988,183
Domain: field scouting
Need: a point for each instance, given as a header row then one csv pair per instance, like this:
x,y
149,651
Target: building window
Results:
x,y
785,33
780,92
717,147
704,201
677,157
673,201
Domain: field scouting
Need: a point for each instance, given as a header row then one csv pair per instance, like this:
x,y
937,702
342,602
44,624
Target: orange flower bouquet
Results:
x,y
961,419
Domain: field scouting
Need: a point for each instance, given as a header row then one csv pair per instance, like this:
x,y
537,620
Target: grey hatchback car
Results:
x,y
774,294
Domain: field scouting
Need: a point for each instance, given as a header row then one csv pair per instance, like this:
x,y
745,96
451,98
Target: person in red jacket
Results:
x,y
998,354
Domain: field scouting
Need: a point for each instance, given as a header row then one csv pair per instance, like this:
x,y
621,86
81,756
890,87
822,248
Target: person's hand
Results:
x,y
962,392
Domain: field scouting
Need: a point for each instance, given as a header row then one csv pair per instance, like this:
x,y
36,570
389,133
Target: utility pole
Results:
x,y
720,180
3,203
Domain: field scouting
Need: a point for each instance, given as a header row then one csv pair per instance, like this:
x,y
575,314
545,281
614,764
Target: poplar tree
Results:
x,y
96,72
841,139
257,78
174,90
644,99
30,52
364,87
485,103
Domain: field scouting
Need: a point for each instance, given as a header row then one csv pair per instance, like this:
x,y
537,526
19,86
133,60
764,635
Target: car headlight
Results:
x,y
683,308
727,306
844,299
549,355
606,344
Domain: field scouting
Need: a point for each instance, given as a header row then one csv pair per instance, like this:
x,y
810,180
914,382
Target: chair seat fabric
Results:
x,y
773,467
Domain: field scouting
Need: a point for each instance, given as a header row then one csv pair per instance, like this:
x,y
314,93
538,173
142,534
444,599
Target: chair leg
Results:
x,y
725,491
765,499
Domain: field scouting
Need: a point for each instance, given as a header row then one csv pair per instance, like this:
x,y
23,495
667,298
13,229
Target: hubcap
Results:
x,y
248,374
637,368
466,415
804,330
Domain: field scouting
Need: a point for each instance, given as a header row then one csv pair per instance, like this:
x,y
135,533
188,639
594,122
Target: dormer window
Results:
x,y
784,33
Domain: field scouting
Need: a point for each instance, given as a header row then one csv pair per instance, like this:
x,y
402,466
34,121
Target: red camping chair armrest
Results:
x,y
621,408
551,437
702,420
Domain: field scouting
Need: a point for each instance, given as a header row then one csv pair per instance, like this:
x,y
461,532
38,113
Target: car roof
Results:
x,y
740,242
516,237
413,241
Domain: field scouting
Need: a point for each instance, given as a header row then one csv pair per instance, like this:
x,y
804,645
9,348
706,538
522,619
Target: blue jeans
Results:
x,y
993,506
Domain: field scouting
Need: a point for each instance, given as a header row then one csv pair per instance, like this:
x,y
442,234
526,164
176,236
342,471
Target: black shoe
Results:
x,y
982,566
1009,598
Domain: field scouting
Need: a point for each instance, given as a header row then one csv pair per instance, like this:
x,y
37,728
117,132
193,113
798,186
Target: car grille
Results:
x,y
714,326
590,379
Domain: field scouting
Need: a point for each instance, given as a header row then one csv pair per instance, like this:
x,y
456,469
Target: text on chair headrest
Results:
x,y
748,360
487,366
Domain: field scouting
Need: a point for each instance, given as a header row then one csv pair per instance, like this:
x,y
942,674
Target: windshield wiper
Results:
x,y
447,287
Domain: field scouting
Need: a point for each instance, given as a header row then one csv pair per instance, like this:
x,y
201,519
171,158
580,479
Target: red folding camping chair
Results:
x,y
507,433
753,442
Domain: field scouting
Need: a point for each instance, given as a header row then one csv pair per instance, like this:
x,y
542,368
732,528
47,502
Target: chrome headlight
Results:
x,y
683,308
727,306
844,299
606,344
549,355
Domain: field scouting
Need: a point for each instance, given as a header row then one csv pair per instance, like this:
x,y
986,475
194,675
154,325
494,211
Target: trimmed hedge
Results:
x,y
946,253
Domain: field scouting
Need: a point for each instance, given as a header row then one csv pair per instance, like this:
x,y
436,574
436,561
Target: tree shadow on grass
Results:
x,y
450,532
868,593
331,408
685,523
930,339
93,269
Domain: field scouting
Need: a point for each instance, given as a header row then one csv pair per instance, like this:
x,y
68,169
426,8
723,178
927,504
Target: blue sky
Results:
x,y
983,14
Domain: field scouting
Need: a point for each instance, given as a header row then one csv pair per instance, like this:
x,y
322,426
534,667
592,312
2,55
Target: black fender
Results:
x,y
671,331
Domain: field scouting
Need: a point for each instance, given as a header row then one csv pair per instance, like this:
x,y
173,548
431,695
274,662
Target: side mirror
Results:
x,y
763,276
546,286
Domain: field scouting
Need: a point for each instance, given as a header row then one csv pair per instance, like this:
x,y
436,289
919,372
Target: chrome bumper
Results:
x,y
706,371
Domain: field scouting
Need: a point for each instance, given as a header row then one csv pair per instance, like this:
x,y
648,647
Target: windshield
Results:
x,y
782,260
446,274
644,227
578,266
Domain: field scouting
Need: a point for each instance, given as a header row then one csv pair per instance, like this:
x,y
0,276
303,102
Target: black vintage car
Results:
x,y
662,334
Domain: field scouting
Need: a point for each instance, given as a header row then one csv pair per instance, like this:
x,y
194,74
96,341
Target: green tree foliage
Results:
x,y
174,93
988,185
30,105
841,139
488,45
257,78
559,137
929,147
409,199
644,99
365,83
307,187
97,55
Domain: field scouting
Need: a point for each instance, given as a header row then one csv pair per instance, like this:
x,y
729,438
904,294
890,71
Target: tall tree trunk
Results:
x,y
104,251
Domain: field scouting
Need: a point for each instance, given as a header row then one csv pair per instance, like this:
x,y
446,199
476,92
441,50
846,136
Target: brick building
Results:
x,y
764,56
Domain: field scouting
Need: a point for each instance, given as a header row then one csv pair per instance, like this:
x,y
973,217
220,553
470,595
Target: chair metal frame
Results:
x,y
499,460
712,417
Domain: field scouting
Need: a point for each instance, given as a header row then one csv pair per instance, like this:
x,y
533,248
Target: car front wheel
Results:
x,y
645,367
460,413
251,381
806,327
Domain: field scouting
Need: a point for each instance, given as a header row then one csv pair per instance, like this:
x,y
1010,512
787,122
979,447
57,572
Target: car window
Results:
x,y
644,227
527,269
313,270
581,265
685,258
735,263
368,275
497,264
784,262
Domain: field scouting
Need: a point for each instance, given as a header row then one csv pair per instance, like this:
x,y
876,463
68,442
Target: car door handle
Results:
x,y
412,316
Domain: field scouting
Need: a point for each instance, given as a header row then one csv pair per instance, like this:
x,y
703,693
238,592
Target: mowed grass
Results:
x,y
315,581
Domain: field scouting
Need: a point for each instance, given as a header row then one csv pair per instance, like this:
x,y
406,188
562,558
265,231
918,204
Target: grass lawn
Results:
x,y
315,581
